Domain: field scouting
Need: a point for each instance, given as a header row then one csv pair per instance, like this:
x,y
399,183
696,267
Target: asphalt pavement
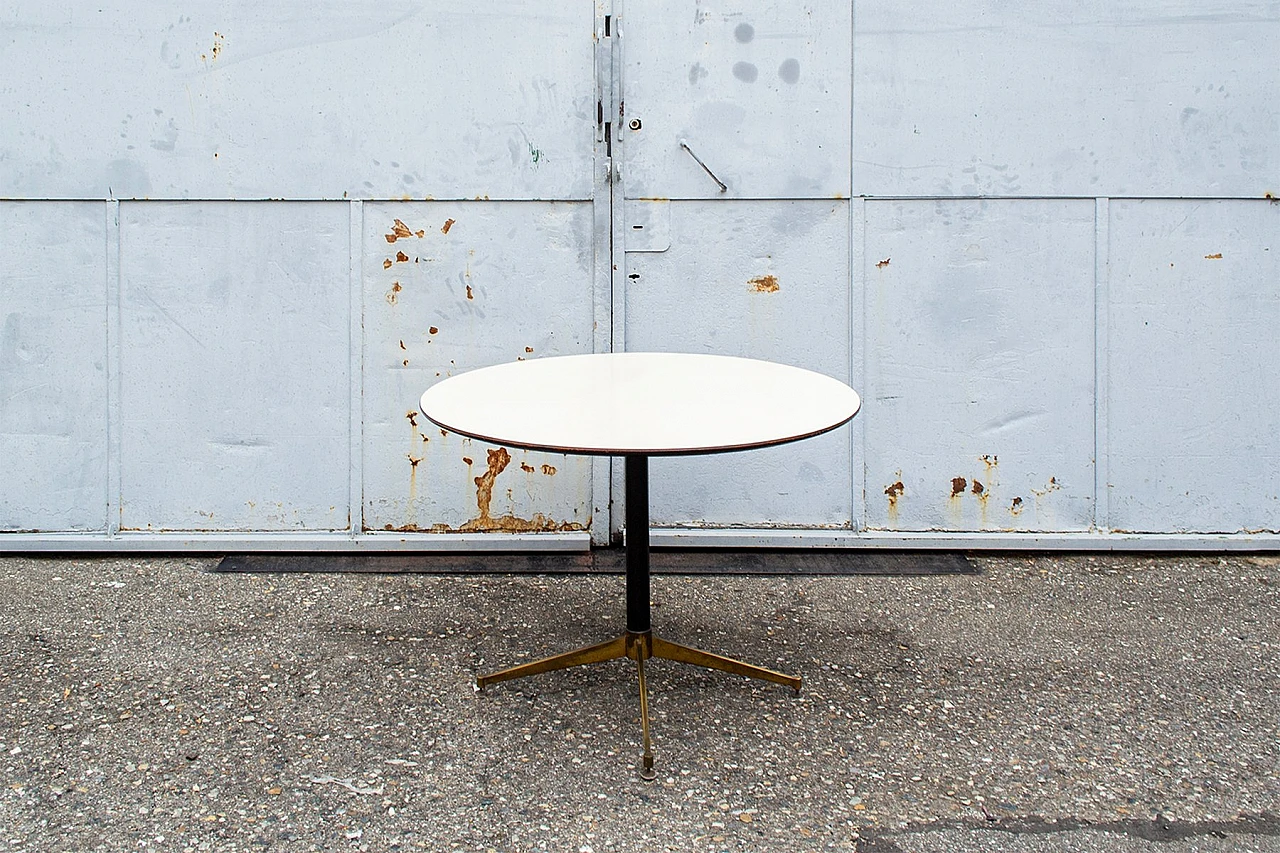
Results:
x,y
1039,703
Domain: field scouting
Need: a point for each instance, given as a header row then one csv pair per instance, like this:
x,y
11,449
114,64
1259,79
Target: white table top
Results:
x,y
633,403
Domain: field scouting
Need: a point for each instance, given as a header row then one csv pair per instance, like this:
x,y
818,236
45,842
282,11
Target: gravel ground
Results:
x,y
1047,703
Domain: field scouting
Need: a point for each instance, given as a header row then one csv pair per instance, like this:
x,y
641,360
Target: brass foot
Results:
x,y
599,653
687,654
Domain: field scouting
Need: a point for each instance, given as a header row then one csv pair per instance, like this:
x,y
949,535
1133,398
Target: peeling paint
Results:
x,y
1015,508
448,223
412,417
549,470
401,258
527,468
399,231
393,295
882,264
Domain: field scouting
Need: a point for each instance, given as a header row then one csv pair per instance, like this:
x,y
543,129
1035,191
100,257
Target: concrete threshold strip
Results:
x,y
698,561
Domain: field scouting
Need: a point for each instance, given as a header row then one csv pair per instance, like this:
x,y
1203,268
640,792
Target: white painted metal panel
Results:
x,y
764,280
759,90
979,364
210,99
234,353
53,373
449,287
980,97
1194,433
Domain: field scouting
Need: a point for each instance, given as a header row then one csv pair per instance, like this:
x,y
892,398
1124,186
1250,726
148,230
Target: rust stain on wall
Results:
x,y
1015,508
412,417
549,470
468,460
882,264
485,522
401,258
470,295
977,488
393,295
498,461
894,491
433,330
386,264
526,467
1216,256
399,230
764,284
958,485
448,223
1052,486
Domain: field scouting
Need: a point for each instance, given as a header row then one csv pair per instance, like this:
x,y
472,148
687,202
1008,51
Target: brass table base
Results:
x,y
638,643
639,646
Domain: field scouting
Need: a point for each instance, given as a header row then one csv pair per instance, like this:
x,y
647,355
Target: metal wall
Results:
x,y
236,243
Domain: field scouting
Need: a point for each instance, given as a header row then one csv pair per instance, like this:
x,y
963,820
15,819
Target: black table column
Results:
x,y
637,521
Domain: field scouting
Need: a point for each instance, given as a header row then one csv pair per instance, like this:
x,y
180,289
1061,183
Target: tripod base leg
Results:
x,y
598,653
647,772
687,654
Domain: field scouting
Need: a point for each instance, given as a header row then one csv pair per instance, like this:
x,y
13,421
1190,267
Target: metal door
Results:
x,y
237,241
240,240
735,171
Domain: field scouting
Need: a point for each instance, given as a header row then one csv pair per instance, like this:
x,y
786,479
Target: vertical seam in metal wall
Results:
x,y
355,348
857,288
858,360
602,268
1101,364
617,255
115,509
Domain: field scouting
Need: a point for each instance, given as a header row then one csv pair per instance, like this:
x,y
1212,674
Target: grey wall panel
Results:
x,y
1194,434
208,99
759,91
760,279
234,362
979,365
979,97
449,287
53,374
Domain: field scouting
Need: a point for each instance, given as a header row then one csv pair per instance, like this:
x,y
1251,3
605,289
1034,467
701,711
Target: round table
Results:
x,y
638,405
